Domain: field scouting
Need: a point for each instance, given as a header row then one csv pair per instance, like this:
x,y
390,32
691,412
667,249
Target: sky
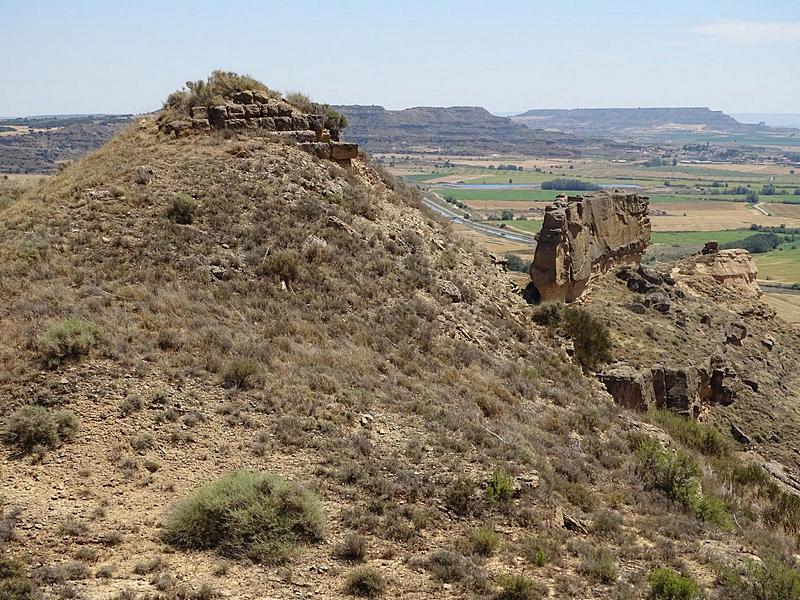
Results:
x,y
86,56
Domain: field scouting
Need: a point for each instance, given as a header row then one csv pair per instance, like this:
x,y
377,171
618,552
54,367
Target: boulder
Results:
x,y
740,436
449,290
735,333
318,149
142,175
583,236
711,247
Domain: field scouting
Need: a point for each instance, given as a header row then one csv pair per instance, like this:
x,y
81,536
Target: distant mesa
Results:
x,y
232,102
610,120
583,236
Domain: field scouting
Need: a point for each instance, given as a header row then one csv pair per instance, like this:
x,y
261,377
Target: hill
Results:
x,y
600,121
40,144
235,369
457,129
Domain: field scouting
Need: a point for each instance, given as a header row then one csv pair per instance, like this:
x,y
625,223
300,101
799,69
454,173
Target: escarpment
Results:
x,y
583,236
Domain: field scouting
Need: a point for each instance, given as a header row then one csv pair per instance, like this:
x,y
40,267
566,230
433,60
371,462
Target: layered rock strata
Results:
x,y
583,236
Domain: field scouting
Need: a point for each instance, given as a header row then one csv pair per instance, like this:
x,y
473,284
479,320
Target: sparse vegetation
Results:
x,y
66,340
483,541
366,582
352,548
519,587
247,514
35,427
590,336
500,486
182,209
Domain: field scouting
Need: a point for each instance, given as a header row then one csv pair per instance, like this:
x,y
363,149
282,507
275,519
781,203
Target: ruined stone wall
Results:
x,y
257,111
586,235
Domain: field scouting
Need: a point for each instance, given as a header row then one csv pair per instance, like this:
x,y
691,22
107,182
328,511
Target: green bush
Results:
x,y
590,337
500,487
774,580
247,514
14,583
666,584
365,582
33,426
673,473
483,541
712,509
66,340
239,373
519,587
698,436
283,265
181,211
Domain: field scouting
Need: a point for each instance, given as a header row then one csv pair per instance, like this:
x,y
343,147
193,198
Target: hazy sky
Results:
x,y
89,56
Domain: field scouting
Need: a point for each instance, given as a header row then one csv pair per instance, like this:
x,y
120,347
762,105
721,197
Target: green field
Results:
x,y
503,195
782,264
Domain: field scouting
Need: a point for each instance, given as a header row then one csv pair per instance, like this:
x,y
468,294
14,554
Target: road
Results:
x,y
433,201
761,209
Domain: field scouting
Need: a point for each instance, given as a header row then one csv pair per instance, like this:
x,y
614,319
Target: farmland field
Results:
x,y
781,265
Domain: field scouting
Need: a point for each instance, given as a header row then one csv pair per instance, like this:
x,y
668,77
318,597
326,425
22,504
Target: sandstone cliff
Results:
x,y
586,235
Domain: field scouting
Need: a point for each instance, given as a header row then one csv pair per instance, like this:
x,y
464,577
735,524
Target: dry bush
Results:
x,y
35,427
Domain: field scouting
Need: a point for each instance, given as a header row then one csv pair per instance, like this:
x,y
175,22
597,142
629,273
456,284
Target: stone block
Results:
x,y
300,123
217,116
267,123
283,123
318,149
260,97
245,97
235,124
343,151
201,124
315,122
236,110
199,112
252,110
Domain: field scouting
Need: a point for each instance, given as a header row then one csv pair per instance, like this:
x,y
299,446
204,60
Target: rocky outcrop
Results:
x,y
684,390
257,111
734,269
583,236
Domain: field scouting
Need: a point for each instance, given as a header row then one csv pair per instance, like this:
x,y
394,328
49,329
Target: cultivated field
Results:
x,y
780,265
786,305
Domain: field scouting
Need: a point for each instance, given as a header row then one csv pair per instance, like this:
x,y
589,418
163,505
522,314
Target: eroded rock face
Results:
x,y
735,269
586,235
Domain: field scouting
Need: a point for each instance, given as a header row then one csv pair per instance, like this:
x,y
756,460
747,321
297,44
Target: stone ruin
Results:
x,y
583,236
258,111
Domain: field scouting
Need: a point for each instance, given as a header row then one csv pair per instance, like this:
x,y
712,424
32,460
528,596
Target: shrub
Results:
x,y
35,426
352,548
519,587
239,373
14,583
599,565
66,340
247,514
673,473
549,314
590,337
483,541
500,487
365,582
460,496
774,580
666,584
539,551
712,509
181,210
517,263
283,265
698,436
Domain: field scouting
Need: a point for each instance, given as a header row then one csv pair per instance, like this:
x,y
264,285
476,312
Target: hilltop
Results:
x,y
235,368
